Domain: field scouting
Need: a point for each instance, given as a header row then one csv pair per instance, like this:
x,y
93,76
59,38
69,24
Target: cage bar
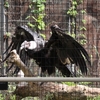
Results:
x,y
50,79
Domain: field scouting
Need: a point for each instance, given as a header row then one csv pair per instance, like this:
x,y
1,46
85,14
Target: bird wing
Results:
x,y
60,51
22,33
68,49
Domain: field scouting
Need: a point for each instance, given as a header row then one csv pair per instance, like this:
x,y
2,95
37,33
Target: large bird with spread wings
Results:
x,y
59,51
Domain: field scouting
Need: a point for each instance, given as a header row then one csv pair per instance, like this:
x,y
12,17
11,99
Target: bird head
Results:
x,y
54,26
28,45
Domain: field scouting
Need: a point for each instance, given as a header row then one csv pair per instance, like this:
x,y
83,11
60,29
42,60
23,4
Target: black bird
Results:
x,y
59,51
24,36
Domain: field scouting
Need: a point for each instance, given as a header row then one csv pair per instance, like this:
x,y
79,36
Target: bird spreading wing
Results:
x,y
20,40
69,50
59,51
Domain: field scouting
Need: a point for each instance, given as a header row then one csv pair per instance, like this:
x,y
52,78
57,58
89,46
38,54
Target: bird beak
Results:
x,y
24,45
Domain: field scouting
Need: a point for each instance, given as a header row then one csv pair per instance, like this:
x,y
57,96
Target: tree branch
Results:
x,y
14,58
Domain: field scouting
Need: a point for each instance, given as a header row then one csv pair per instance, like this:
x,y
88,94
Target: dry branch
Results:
x,y
55,90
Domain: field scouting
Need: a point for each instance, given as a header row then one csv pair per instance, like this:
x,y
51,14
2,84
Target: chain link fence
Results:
x,y
78,18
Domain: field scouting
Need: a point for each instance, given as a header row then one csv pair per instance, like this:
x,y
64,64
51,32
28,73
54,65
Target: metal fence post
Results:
x,y
2,27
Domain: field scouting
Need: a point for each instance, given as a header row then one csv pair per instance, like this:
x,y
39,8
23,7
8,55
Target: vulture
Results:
x,y
58,52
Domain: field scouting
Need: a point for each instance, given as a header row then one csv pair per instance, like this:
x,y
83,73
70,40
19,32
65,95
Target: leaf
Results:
x,y
30,24
6,4
43,35
34,18
83,21
82,29
27,17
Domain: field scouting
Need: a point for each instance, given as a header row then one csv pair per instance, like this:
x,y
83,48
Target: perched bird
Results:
x,y
58,52
23,36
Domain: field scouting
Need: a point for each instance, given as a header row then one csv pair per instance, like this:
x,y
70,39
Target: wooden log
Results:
x,y
56,91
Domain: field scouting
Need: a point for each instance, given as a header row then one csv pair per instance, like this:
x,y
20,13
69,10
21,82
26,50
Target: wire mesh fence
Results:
x,y
77,18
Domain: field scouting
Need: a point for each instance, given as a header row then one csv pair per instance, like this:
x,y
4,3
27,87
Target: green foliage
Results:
x,y
83,11
73,83
84,83
37,8
72,10
6,4
72,34
43,36
82,28
13,97
73,13
11,88
94,98
69,83
82,39
73,24
1,97
8,34
79,1
49,96
8,93
83,21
